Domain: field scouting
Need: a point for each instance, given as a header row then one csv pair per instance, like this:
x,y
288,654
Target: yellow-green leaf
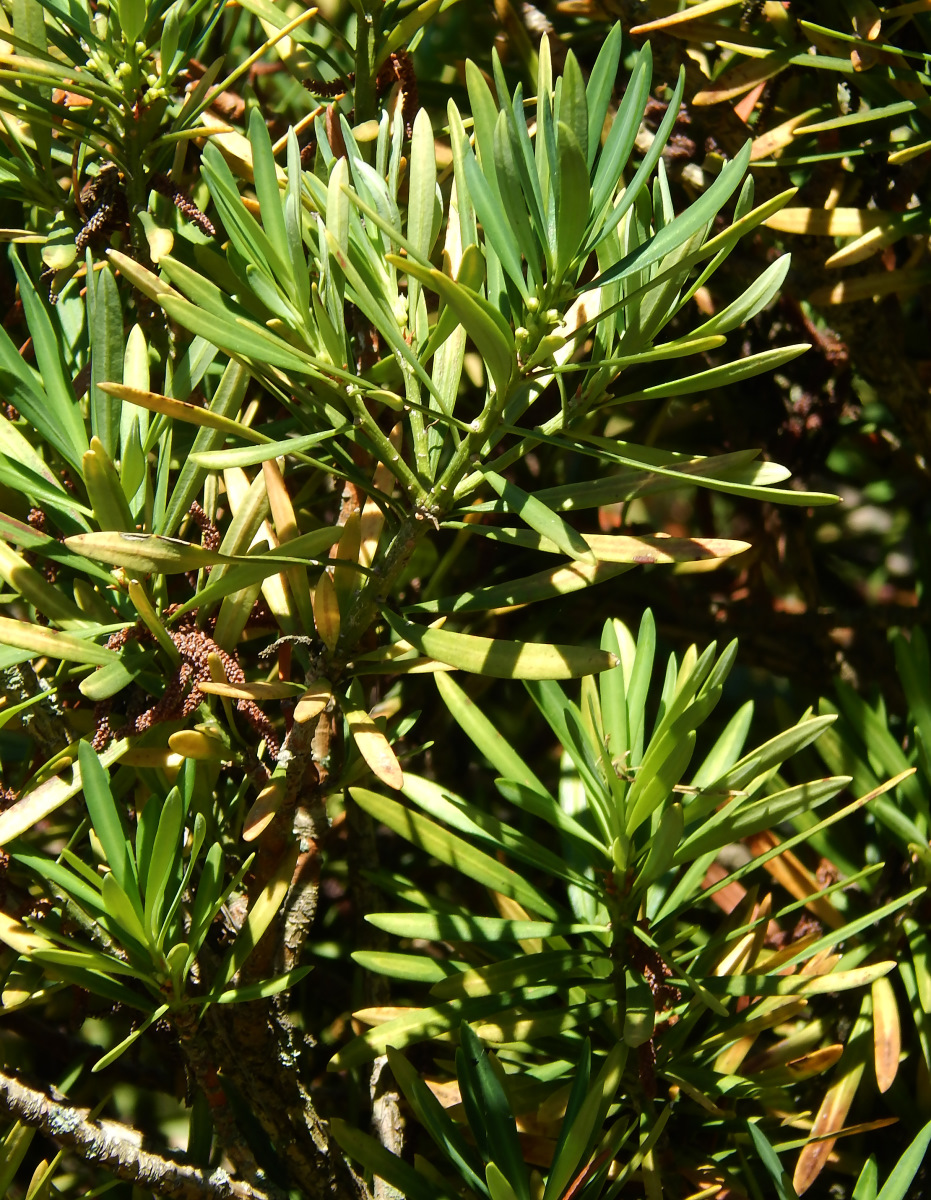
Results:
x,y
181,410
64,646
503,659
696,12
146,553
104,490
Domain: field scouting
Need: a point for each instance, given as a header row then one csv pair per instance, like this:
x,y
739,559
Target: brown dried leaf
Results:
x,y
833,1111
795,877
815,1063
739,79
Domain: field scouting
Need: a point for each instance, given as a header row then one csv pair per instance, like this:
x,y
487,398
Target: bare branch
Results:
x,y
115,1148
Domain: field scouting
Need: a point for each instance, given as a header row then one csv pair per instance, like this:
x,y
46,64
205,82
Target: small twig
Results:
x,y
114,1148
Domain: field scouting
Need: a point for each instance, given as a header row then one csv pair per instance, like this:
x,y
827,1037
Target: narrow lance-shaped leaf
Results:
x,y
107,821
104,491
32,587
433,1117
572,212
50,795
482,321
540,518
407,1181
476,929
502,659
679,230
489,1113
63,413
451,850
543,585
106,360
41,641
484,734
600,86
897,1185
583,1122
373,746
836,1104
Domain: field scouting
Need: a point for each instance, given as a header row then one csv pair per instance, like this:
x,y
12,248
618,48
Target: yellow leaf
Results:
x,y
234,146
286,528
382,1014
36,590
373,517
512,910
866,287
191,743
651,549
815,1063
21,939
313,701
374,747
689,14
161,242
887,1033
779,136
326,611
828,222
262,812
347,551
907,153
252,691
865,246
789,871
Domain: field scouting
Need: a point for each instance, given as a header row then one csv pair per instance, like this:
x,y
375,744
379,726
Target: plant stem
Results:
x,y
114,1147
371,595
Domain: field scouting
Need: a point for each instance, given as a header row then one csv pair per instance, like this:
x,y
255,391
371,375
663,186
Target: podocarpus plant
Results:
x,y
387,402
834,95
